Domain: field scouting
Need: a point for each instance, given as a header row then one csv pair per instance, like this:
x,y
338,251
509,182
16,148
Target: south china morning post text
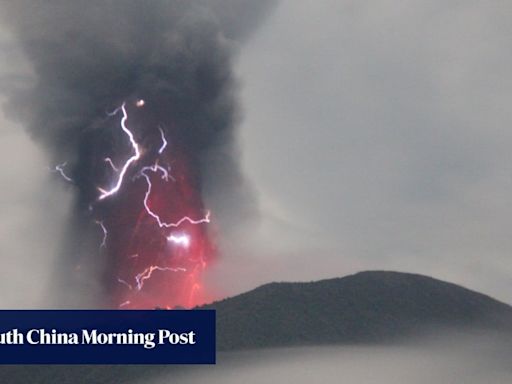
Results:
x,y
93,337
107,337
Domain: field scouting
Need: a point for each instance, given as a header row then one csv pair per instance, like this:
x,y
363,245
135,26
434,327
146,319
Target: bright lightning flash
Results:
x,y
161,223
131,160
181,240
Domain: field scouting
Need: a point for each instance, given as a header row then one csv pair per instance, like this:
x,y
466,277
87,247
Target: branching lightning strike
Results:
x,y
60,169
161,223
131,160
146,274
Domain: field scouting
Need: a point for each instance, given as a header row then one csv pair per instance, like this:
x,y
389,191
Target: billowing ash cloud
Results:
x,y
88,58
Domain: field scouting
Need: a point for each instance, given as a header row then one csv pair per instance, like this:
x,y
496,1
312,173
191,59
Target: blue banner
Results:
x,y
107,337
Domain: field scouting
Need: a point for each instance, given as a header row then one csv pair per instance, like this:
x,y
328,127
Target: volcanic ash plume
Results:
x,y
134,101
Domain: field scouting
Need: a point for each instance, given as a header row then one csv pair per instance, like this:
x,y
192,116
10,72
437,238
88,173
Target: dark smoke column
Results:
x,y
137,100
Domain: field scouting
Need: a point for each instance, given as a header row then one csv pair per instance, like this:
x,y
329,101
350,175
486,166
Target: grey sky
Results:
x,y
376,134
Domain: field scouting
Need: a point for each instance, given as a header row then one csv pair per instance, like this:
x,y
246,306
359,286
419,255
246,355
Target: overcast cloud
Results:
x,y
378,135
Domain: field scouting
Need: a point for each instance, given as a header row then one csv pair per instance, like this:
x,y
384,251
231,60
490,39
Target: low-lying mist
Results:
x,y
439,358
479,359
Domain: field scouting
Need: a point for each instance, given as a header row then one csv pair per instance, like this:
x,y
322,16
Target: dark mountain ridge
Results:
x,y
368,307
